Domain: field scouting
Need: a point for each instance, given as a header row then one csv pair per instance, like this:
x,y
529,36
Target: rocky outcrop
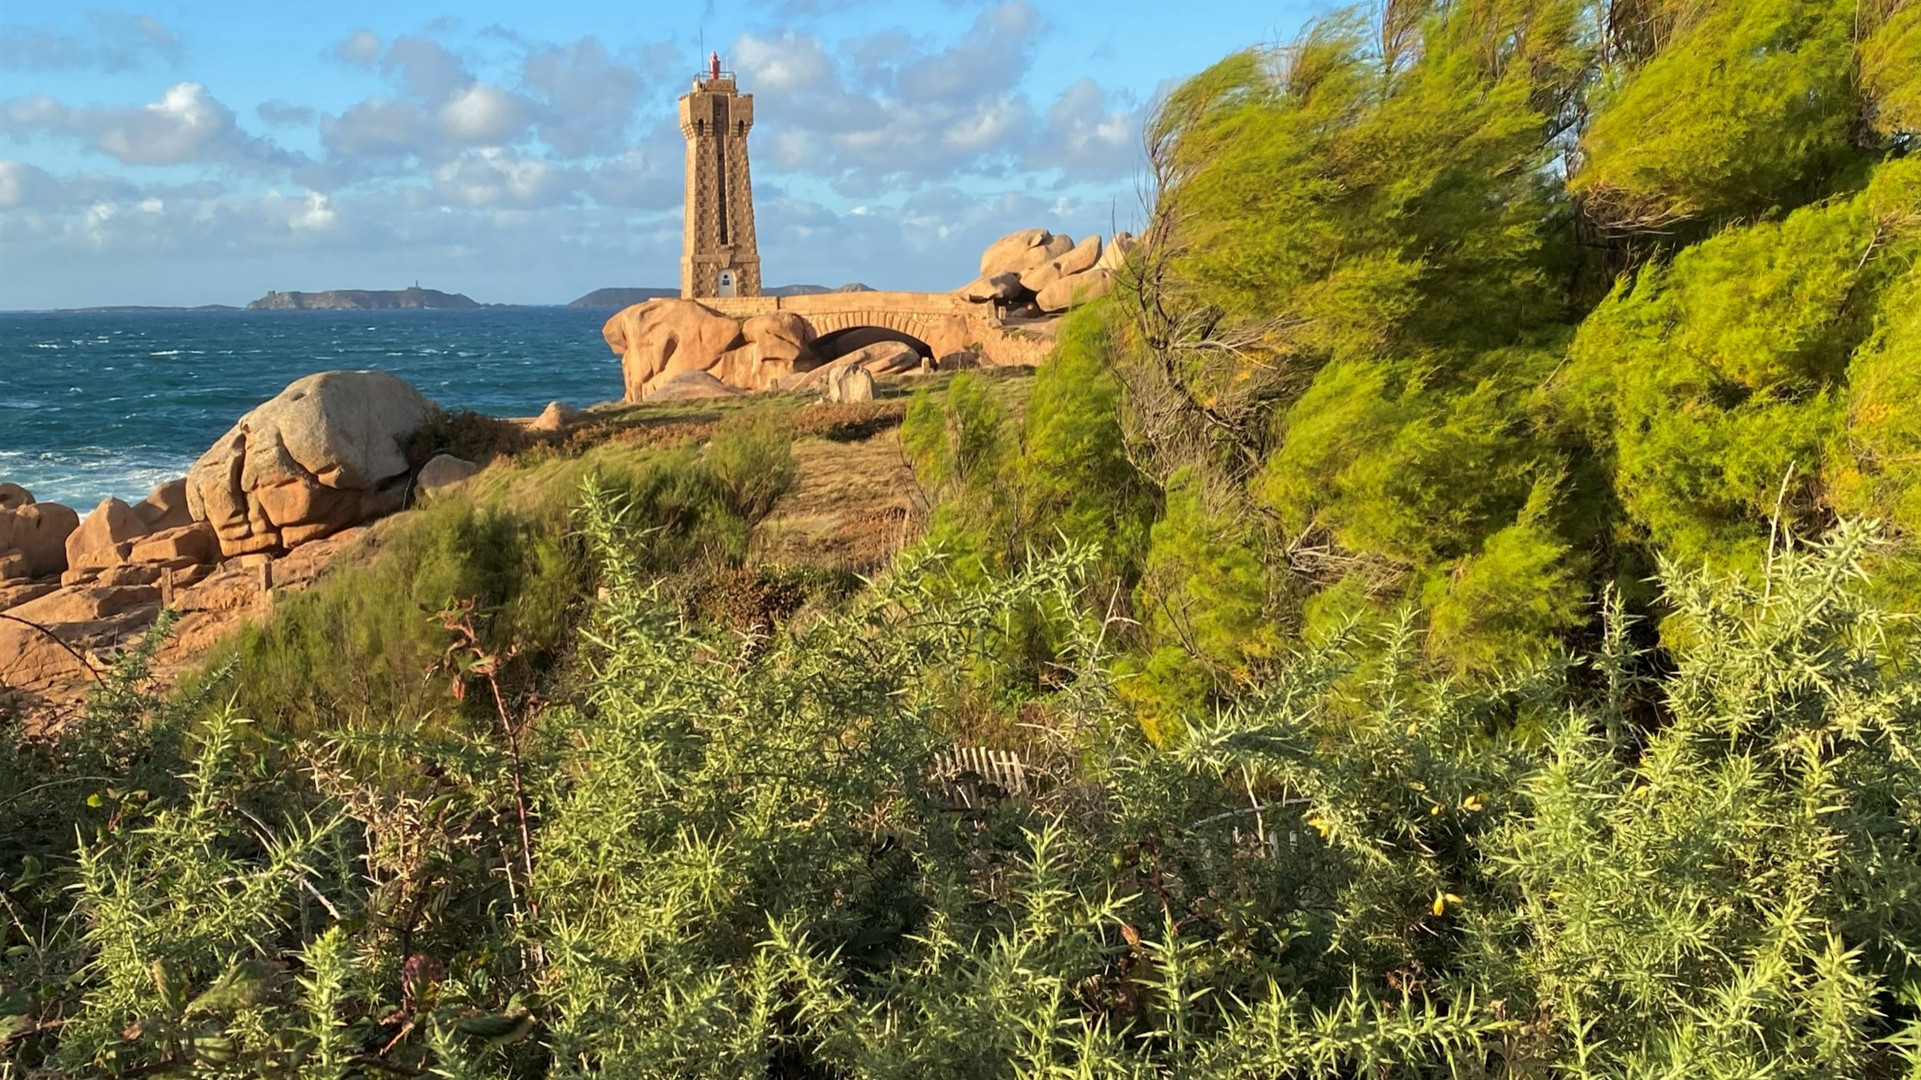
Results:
x,y
192,544
882,358
1078,259
1117,251
779,337
33,535
1015,252
1002,286
850,385
323,455
692,386
1038,272
441,472
105,537
660,339
166,507
555,417
1068,292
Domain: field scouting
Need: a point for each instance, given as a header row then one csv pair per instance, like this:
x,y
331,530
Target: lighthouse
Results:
x,y
719,256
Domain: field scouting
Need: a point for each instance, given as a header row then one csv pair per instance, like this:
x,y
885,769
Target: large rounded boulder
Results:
x,y
324,455
659,339
33,535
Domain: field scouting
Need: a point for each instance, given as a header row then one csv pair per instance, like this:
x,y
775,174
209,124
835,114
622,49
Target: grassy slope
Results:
x,y
364,646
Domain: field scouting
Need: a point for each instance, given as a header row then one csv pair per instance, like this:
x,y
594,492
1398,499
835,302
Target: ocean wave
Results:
x,y
82,477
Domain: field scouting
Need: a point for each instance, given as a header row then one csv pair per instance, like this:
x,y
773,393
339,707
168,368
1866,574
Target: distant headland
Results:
x,y
411,298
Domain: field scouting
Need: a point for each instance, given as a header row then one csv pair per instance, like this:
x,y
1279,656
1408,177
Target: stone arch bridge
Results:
x,y
942,321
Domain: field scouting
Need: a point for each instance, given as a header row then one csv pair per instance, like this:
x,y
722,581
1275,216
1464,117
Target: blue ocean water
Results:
x,y
99,404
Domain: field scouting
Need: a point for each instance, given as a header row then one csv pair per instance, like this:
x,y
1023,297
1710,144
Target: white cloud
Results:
x,y
587,97
427,68
889,111
361,48
317,214
483,115
496,179
788,64
1085,136
378,128
112,41
22,185
186,125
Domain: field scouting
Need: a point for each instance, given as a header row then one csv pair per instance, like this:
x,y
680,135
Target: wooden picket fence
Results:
x,y
971,777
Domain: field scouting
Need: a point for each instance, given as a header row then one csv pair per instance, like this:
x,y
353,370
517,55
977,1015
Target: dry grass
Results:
x,y
856,504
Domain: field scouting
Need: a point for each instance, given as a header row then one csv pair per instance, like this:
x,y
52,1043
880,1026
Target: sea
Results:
x,y
98,404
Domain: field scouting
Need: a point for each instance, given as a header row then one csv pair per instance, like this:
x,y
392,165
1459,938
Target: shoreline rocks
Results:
x,y
324,454
660,340
1045,273
33,535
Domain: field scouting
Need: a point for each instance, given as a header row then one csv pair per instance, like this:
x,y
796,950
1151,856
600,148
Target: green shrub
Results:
x,y
1767,117
363,646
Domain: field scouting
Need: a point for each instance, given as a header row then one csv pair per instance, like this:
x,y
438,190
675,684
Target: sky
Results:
x,y
183,153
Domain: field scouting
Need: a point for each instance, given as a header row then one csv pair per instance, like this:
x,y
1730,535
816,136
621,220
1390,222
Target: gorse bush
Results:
x,y
749,862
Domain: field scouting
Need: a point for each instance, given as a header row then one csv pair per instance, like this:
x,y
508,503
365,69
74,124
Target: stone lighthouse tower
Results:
x,y
718,255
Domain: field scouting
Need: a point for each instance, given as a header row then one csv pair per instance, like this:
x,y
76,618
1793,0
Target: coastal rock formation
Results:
x,y
662,339
882,358
780,337
443,471
849,386
692,386
1035,271
105,537
191,544
166,506
1015,252
1081,257
33,535
323,455
67,625
1067,292
1117,250
555,417
1005,285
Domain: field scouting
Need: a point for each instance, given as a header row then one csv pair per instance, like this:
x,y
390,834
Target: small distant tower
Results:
x,y
718,255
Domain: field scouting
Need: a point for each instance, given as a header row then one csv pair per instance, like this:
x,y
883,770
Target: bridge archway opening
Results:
x,y
839,343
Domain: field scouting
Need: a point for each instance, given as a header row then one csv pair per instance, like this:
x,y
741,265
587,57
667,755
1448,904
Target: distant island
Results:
x,y
620,298
362,300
